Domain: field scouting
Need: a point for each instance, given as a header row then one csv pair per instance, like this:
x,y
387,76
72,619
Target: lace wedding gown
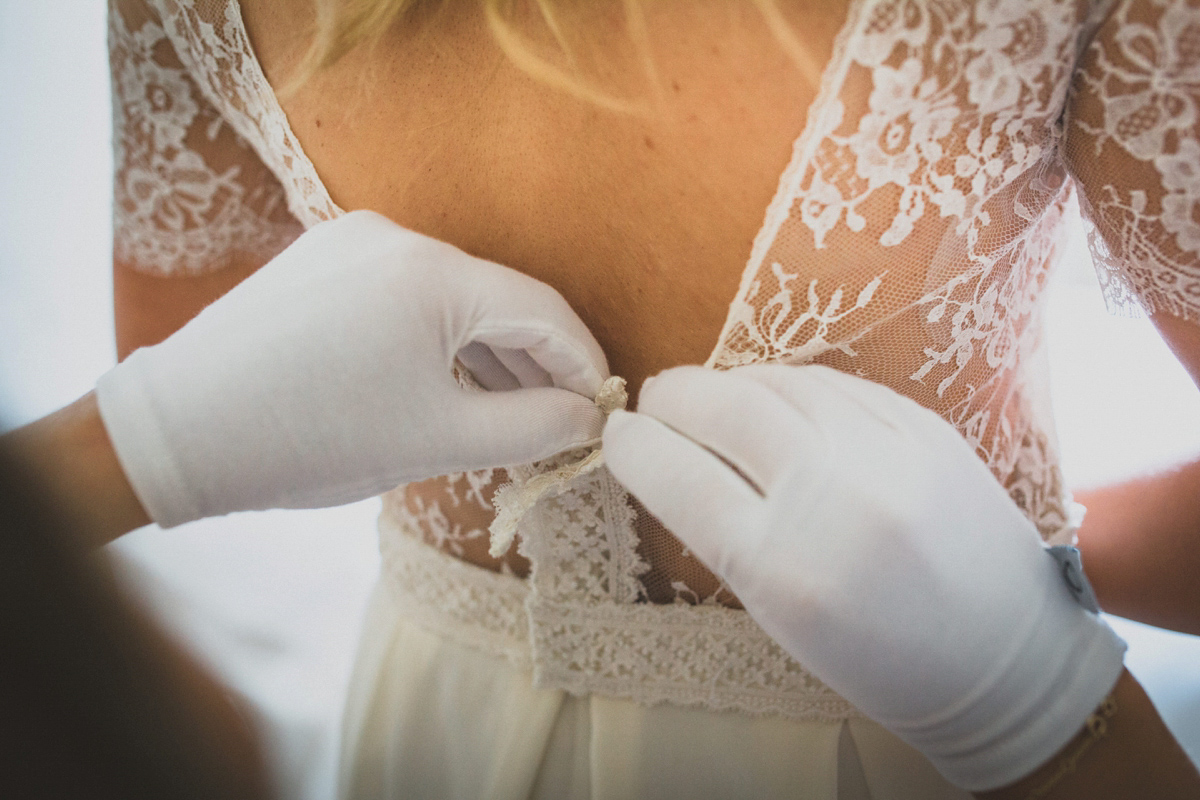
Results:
x,y
909,241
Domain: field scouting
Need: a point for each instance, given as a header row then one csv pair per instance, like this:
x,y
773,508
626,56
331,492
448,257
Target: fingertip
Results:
x,y
521,312
621,432
672,387
618,422
586,381
655,461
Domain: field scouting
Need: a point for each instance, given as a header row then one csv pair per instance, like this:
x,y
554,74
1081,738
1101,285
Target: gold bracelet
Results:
x,y
1096,727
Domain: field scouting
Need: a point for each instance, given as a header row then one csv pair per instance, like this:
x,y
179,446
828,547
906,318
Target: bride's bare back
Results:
x,y
643,222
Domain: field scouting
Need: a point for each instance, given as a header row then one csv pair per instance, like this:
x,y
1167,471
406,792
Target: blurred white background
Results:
x,y
272,601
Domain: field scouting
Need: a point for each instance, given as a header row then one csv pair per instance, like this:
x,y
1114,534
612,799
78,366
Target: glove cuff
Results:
x,y
1033,703
140,442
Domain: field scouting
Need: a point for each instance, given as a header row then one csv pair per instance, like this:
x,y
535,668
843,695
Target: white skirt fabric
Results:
x,y
431,718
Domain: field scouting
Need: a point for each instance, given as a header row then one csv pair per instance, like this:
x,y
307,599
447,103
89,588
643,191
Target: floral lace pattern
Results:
x,y
429,516
211,40
1136,110
932,154
452,513
189,193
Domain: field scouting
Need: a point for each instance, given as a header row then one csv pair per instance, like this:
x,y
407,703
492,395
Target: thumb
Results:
x,y
524,425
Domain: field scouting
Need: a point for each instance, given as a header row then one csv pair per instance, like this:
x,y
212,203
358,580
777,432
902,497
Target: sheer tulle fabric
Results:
x,y
909,242
190,193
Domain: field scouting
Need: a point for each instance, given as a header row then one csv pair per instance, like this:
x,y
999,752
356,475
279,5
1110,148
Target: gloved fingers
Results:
x,y
745,422
503,369
527,371
487,369
570,362
827,394
697,496
524,425
517,312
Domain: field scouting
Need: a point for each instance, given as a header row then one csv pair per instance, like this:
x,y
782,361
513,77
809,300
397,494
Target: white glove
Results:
x,y
326,377
880,552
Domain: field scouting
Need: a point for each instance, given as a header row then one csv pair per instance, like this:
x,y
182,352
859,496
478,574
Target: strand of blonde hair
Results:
x,y
344,25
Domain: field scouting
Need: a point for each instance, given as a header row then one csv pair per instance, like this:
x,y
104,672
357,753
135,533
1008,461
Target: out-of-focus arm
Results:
x,y
73,459
1141,539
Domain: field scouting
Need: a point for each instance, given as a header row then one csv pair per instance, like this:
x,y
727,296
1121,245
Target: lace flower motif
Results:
x,y
174,210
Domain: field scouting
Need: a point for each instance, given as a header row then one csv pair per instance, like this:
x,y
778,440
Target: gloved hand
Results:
x,y
326,377
877,548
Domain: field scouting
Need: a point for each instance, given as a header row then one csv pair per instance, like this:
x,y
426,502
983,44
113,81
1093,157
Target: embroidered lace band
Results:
x,y
703,656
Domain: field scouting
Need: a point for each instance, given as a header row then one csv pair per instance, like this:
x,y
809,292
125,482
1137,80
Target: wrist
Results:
x,y
1037,692
1134,756
73,458
133,424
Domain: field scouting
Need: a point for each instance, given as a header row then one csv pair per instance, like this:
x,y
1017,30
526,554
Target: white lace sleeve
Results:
x,y
190,195
1133,145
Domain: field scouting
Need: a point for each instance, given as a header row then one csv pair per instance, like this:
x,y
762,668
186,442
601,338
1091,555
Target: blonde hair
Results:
x,y
344,25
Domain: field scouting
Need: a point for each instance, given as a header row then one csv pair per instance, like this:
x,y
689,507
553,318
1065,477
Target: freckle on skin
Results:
x,y
675,85
649,142
318,123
